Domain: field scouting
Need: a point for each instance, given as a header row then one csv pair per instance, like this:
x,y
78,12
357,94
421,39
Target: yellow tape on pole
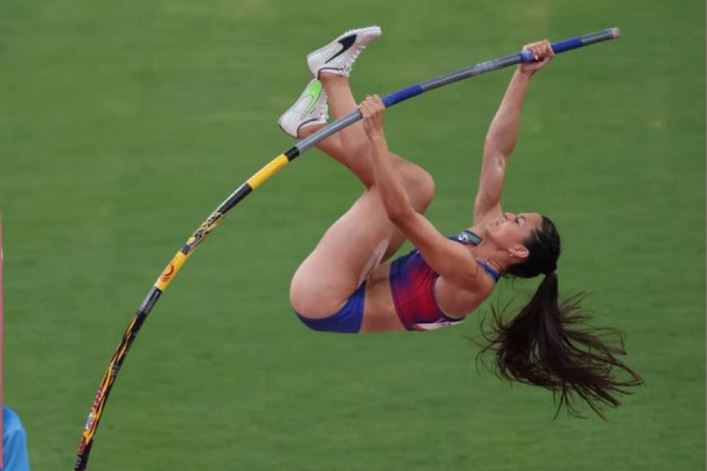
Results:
x,y
170,271
268,171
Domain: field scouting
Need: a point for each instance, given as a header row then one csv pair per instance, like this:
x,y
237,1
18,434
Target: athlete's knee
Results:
x,y
419,184
300,294
309,298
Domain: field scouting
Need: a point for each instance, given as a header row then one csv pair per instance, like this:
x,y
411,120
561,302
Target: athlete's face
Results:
x,y
511,230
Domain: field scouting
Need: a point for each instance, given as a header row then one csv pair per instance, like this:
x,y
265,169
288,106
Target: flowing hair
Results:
x,y
547,343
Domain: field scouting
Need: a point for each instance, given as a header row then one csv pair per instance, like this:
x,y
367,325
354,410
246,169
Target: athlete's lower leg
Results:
x,y
353,140
342,102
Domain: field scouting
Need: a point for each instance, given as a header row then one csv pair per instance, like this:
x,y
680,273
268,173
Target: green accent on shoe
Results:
x,y
314,90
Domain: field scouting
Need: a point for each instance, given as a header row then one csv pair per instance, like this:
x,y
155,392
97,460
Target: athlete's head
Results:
x,y
543,344
530,239
542,244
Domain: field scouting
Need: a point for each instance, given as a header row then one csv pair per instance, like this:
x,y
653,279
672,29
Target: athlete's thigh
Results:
x,y
349,248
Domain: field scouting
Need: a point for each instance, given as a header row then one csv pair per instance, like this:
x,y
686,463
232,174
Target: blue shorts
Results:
x,y
346,321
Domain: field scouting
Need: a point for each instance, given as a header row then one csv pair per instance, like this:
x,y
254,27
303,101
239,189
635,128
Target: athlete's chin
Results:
x,y
493,228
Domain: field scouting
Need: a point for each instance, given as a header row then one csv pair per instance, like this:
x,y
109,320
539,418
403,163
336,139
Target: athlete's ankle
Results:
x,y
307,130
329,77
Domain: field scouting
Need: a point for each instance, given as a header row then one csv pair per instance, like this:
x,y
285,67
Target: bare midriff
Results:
x,y
379,314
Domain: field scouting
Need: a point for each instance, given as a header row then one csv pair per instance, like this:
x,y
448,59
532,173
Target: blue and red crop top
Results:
x,y
412,283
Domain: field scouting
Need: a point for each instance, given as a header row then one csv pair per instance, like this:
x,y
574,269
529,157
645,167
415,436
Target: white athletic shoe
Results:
x,y
339,55
309,109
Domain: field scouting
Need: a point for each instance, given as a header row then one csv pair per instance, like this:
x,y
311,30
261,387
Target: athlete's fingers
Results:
x,y
365,108
540,51
531,47
371,105
536,52
373,109
380,104
377,105
550,52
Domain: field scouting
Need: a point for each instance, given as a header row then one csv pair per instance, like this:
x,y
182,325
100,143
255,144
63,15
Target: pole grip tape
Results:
x,y
402,95
567,45
558,47
576,42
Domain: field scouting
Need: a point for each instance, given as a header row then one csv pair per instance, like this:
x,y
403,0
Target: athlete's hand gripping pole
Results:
x,y
180,258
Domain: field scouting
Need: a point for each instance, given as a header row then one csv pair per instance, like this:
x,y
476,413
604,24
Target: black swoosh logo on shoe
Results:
x,y
347,42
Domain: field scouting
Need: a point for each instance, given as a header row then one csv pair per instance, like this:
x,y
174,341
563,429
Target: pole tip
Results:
x,y
615,32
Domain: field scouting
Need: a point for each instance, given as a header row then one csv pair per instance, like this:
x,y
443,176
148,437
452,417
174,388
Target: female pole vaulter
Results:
x,y
346,284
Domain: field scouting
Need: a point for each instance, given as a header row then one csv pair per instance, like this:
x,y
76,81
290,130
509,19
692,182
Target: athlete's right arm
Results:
x,y
450,259
503,134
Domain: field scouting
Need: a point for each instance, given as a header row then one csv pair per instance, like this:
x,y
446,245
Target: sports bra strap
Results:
x,y
491,271
469,237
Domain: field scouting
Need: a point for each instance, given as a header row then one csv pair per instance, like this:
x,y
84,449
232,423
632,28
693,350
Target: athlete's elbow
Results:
x,y
498,149
401,215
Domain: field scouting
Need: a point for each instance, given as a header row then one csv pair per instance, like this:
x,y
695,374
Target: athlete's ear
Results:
x,y
519,251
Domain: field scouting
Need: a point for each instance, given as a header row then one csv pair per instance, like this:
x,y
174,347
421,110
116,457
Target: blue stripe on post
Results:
x,y
402,95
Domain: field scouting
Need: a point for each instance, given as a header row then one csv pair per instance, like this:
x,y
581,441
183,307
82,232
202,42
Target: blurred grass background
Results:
x,y
122,125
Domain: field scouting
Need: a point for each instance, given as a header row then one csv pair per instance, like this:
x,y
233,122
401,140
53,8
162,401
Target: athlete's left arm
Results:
x,y
503,134
448,258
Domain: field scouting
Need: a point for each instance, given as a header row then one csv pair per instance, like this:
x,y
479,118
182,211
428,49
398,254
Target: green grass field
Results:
x,y
122,125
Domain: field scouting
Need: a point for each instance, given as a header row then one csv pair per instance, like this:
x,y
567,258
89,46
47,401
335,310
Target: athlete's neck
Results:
x,y
491,256
487,252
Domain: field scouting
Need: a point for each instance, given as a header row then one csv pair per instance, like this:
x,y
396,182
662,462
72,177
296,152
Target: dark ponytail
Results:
x,y
548,345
